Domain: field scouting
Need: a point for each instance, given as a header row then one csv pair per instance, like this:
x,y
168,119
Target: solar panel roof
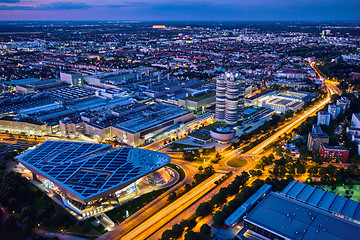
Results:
x,y
88,169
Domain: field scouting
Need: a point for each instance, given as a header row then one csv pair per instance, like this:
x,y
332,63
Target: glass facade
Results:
x,y
230,95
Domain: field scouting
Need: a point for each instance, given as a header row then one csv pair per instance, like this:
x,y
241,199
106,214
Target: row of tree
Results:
x,y
220,215
178,230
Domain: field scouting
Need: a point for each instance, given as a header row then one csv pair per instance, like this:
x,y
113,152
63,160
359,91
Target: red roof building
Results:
x,y
332,152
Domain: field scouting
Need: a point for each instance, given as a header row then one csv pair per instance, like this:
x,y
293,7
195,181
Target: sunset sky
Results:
x,y
242,10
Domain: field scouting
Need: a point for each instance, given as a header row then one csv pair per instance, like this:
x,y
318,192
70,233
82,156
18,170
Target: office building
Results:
x,y
230,96
323,118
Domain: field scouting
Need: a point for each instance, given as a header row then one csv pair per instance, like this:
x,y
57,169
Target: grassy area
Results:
x,y
236,162
340,190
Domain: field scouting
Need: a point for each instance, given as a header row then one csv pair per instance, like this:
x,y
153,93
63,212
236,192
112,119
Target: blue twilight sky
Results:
x,y
242,10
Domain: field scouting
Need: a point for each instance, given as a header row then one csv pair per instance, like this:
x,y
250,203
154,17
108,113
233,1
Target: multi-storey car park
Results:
x,y
88,176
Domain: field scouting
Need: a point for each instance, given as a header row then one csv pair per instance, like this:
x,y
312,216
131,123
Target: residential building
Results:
x,y
334,152
323,118
343,103
316,138
334,110
355,120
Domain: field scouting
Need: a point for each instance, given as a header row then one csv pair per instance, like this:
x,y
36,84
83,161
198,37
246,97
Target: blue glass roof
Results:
x,y
88,169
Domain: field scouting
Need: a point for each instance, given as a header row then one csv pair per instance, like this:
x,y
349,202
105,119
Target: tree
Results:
x,y
13,204
291,169
172,196
278,151
167,235
191,235
204,209
219,218
205,230
300,169
10,223
313,170
276,171
282,171
188,223
177,230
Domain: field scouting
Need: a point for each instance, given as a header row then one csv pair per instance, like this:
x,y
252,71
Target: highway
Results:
x,y
150,209
288,128
192,209
155,222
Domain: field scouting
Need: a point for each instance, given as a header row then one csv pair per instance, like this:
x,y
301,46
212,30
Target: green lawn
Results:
x,y
340,189
236,162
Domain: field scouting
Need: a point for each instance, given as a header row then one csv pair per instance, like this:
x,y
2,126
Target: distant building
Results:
x,y
230,95
316,138
334,152
343,103
222,134
74,79
355,120
198,101
323,118
281,102
334,110
28,126
353,131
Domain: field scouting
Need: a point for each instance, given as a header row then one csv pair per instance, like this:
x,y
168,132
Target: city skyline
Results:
x,y
259,10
